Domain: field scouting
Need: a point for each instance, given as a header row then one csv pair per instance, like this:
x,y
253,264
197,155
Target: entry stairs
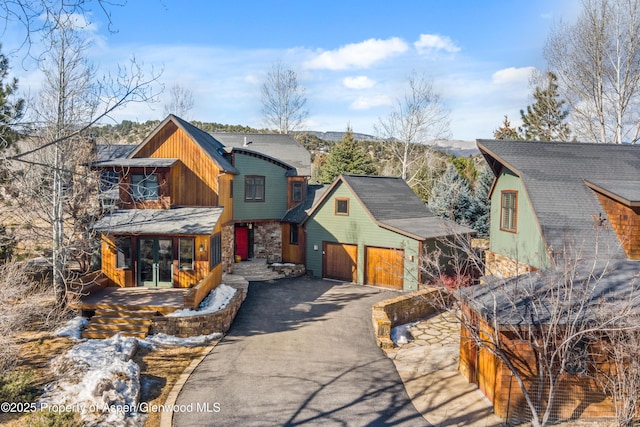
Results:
x,y
106,323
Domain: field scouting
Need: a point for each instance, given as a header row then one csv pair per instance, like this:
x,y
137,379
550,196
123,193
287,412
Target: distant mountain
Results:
x,y
337,136
457,148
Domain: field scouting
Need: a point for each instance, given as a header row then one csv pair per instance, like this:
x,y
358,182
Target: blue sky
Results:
x,y
352,57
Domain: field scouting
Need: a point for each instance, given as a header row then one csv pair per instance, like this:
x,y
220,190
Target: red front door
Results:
x,y
242,242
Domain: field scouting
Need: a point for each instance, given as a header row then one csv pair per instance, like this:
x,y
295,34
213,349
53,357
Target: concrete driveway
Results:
x,y
300,352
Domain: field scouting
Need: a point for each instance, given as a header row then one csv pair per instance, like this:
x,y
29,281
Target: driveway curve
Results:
x,y
300,352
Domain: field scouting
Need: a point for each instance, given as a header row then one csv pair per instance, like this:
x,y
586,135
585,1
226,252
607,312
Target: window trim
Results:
x,y
341,199
215,253
514,210
118,249
192,243
293,191
247,185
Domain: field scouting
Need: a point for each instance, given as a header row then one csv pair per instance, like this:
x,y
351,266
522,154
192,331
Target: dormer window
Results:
x,y
144,186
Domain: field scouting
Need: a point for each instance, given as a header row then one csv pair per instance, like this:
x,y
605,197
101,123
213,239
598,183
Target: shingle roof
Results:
x,y
627,192
213,148
394,205
554,175
299,213
526,299
180,220
137,162
113,151
278,146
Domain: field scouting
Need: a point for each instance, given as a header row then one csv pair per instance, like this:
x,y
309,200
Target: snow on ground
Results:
x,y
165,340
401,335
99,379
215,301
73,328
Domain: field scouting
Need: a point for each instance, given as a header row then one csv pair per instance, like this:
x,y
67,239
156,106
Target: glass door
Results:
x,y
155,262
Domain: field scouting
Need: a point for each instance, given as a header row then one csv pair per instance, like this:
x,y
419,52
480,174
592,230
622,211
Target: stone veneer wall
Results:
x,y
267,241
504,267
204,324
396,311
228,247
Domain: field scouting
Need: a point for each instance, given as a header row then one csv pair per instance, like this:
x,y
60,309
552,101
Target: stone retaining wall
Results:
x,y
407,308
204,324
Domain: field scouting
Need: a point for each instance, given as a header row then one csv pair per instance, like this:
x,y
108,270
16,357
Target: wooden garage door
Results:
x,y
340,261
385,267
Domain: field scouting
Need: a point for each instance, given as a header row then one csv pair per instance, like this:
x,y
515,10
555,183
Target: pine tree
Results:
x,y
480,209
451,197
544,119
10,112
506,132
346,157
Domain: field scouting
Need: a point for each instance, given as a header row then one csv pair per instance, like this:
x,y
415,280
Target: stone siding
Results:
x,y
228,247
204,324
267,241
504,267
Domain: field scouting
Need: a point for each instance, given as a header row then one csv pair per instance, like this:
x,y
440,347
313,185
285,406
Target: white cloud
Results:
x,y
358,55
360,82
512,75
432,43
366,102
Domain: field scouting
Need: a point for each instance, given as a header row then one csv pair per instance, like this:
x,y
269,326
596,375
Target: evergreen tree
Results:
x,y
346,157
451,197
506,132
480,209
10,112
544,120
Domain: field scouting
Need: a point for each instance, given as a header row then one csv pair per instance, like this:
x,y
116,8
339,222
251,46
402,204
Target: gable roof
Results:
x,y
554,174
213,148
277,146
180,220
393,205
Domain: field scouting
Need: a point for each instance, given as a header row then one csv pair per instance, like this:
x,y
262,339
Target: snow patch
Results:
x,y
73,328
164,340
401,335
217,299
99,378
279,264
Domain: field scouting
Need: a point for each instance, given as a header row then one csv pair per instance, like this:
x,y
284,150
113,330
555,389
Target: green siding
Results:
x,y
275,200
526,244
357,228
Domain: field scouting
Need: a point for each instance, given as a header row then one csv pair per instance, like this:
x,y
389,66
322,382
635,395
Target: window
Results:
x,y
293,234
231,189
216,250
577,358
342,206
123,252
186,253
509,207
144,187
108,180
296,191
254,188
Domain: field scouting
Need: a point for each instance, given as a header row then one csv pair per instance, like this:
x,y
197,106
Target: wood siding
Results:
x,y
195,181
290,181
291,252
625,221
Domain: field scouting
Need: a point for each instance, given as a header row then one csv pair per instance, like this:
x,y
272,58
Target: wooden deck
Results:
x,y
162,300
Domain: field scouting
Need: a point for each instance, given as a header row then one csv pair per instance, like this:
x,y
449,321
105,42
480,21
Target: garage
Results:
x,y
384,267
340,261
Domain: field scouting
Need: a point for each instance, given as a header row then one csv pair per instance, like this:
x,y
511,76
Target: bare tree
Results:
x,y
180,103
60,142
597,62
419,117
543,326
283,100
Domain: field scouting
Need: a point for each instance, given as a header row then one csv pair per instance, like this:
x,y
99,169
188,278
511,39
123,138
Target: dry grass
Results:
x,y
159,369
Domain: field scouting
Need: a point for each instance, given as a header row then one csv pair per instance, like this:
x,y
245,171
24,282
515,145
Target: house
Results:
x,y
189,202
372,230
549,199
564,216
